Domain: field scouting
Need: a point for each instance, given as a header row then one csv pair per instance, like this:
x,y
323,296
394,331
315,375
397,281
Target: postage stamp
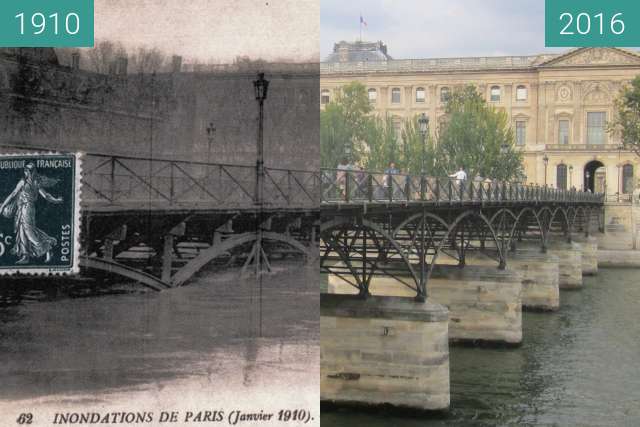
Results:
x,y
39,213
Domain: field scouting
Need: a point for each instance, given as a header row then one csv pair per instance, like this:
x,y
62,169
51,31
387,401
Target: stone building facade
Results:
x,y
558,104
47,105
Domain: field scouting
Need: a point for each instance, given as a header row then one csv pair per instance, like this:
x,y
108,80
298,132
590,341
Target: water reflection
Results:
x,y
190,339
576,367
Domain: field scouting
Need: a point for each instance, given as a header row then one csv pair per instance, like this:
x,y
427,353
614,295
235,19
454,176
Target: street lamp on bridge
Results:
x,y
570,176
211,133
423,122
261,87
545,160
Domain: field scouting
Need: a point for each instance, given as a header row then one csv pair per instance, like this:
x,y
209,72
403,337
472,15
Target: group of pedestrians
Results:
x,y
356,177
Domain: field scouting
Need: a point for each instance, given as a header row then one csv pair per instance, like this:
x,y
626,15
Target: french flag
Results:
x,y
362,21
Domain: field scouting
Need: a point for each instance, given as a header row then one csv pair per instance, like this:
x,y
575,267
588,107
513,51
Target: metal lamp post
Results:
x,y
261,87
423,122
211,133
570,176
545,160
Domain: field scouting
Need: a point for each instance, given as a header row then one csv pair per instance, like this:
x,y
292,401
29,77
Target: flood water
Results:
x,y
579,366
184,347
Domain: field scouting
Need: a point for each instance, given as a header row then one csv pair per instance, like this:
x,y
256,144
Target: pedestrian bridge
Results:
x,y
161,221
412,263
396,225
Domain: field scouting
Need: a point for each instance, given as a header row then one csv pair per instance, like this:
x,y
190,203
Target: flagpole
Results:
x,y
360,27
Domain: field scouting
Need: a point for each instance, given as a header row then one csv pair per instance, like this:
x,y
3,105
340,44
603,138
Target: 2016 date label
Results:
x,y
592,23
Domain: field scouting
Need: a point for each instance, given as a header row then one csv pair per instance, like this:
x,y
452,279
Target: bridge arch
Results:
x,y
213,252
445,236
358,226
519,222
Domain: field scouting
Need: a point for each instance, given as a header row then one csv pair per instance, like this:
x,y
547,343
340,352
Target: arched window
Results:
x,y
395,95
521,93
627,179
561,176
325,96
373,95
421,95
495,94
445,93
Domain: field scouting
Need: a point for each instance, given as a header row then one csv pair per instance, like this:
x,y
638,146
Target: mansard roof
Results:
x,y
573,57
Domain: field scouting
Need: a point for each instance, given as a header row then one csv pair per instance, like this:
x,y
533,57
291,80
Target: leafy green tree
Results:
x,y
627,121
345,122
412,151
381,144
474,135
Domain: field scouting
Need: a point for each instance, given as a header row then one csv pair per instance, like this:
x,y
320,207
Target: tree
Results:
x,y
381,144
412,149
103,56
474,135
627,120
345,124
147,60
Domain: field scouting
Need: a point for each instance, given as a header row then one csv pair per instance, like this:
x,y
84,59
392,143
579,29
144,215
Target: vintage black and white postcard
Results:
x,y
159,219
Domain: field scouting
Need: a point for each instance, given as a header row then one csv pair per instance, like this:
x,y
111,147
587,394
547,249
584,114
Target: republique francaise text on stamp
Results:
x,y
39,213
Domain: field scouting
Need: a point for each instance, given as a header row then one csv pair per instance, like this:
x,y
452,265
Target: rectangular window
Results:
x,y
563,132
395,96
495,94
373,95
521,132
596,127
420,95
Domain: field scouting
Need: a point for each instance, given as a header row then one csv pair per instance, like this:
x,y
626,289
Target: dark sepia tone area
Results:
x,y
198,228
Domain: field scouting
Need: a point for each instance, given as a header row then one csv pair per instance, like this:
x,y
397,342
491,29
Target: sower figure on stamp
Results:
x,y
30,241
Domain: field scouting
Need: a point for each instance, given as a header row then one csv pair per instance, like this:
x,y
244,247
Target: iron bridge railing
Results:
x,y
123,180
352,186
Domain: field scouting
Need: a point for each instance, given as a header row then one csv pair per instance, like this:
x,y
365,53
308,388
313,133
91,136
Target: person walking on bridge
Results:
x,y
460,177
389,182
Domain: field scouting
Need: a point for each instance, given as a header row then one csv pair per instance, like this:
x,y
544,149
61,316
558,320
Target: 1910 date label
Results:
x,y
46,23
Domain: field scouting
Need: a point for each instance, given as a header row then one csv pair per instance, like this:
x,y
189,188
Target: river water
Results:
x,y
185,348
579,366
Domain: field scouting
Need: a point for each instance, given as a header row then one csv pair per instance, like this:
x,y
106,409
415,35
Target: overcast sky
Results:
x,y
216,30
438,28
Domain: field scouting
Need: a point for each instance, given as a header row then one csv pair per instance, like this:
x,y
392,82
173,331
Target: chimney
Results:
x,y
75,61
343,52
122,65
176,64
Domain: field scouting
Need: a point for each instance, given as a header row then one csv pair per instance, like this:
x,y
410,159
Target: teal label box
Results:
x,y
46,23
592,23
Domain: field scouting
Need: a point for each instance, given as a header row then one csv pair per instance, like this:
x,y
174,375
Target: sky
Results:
x,y
438,28
214,30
